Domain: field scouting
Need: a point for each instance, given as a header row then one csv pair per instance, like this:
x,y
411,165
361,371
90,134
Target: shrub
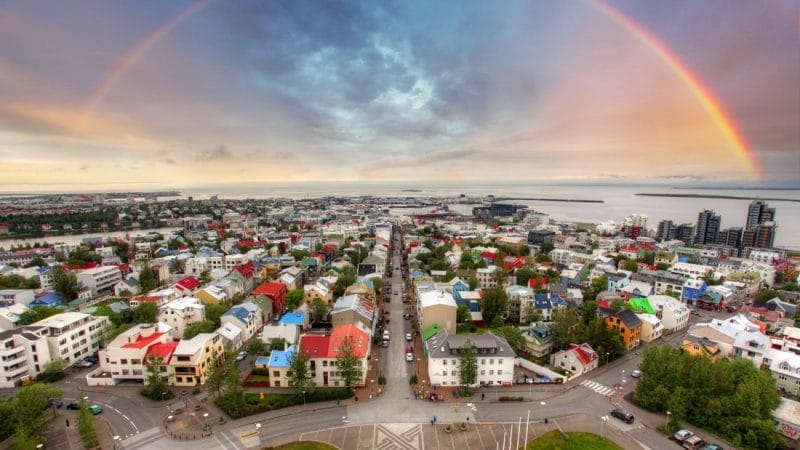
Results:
x,y
510,399
253,403
382,380
413,380
260,371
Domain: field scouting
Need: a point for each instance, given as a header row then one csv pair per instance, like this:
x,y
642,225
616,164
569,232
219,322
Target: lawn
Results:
x,y
554,440
307,445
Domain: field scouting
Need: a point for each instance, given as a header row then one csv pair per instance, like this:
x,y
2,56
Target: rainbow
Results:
x,y
134,54
744,153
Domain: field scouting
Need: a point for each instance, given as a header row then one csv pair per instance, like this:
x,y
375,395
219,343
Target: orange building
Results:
x,y
628,325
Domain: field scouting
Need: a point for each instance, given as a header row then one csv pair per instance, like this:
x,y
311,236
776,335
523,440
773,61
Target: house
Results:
x,y
457,286
437,307
701,346
546,305
293,277
245,316
787,421
9,316
232,336
577,358
323,350
674,315
296,319
486,277
287,332
279,365
652,328
352,308
24,352
17,296
636,289
519,299
319,290
617,281
127,286
785,368
187,286
72,336
181,313
125,358
628,325
693,289
212,295
100,280
538,339
276,292
191,361
494,358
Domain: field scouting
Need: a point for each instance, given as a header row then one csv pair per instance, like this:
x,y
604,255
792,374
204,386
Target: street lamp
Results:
x,y
602,424
607,356
116,439
668,416
258,430
205,416
304,397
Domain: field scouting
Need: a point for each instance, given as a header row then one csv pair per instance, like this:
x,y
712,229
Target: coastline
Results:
x,y
719,196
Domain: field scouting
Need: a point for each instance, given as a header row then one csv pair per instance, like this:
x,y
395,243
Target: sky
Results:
x,y
135,94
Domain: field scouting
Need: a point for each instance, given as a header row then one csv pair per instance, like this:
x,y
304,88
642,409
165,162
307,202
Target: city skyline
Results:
x,y
142,94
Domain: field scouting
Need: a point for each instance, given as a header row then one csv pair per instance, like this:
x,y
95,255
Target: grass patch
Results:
x,y
258,378
304,445
554,440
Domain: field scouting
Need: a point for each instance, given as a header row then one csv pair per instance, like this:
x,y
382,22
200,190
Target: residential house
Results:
x,y
181,313
546,305
72,336
276,292
288,332
494,358
628,325
701,346
785,369
577,358
693,290
187,286
247,317
437,307
652,328
279,366
232,336
674,315
100,280
192,359
298,319
636,289
127,286
9,316
351,308
538,339
293,277
16,296
318,290
212,295
617,281
519,303
486,277
323,351
125,358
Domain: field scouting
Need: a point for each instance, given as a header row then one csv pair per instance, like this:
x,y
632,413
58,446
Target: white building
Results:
x,y
191,361
690,270
247,317
561,256
23,354
485,277
101,279
73,336
19,296
674,315
652,328
9,316
494,358
181,313
578,359
125,357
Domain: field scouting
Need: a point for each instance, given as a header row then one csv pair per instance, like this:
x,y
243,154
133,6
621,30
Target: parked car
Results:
x,y
385,344
86,363
636,373
74,405
682,435
95,409
409,338
57,403
409,349
409,357
694,443
241,356
711,447
622,415
77,365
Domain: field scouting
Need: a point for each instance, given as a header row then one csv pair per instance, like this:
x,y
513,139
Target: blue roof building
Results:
x,y
281,358
48,299
293,318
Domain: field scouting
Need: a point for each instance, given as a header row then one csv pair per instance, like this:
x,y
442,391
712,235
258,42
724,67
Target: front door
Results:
x,y
324,378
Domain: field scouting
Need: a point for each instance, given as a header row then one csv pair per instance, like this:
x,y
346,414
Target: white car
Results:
x,y
636,373
409,338
409,357
682,435
241,356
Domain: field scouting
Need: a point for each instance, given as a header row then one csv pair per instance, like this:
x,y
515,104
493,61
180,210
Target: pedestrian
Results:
x,y
483,396
67,423
434,419
431,421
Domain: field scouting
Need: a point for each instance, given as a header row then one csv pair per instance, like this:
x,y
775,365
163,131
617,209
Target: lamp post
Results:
x,y
607,356
258,430
205,416
669,413
163,395
116,439
602,424
304,397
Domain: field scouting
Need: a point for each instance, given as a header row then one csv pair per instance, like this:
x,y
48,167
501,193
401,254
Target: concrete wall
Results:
x,y
541,370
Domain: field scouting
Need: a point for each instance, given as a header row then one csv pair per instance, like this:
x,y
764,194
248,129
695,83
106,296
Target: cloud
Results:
x,y
283,155
218,153
84,168
169,161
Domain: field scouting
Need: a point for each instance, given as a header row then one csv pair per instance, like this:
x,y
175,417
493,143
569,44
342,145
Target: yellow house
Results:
x,y
701,346
191,361
212,295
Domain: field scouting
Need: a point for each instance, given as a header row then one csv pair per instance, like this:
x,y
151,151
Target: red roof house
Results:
x,y
275,291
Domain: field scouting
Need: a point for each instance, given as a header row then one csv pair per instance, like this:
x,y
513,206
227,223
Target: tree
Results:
x,y
206,326
513,336
472,281
463,315
299,373
53,371
147,280
156,388
215,379
319,308
567,327
30,406
377,284
589,311
348,363
597,286
38,313
205,277
345,280
277,344
662,266
467,365
546,247
293,298
36,262
493,303
497,322
523,275
298,255
114,317
86,424
767,295
631,265
83,257
256,347
65,283
214,311
146,312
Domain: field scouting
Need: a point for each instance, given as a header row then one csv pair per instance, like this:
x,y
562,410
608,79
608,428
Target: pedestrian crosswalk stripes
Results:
x,y
597,387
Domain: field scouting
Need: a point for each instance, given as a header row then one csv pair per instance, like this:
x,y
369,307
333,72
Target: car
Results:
x,y
409,357
410,349
622,415
694,443
409,338
636,373
682,435
86,363
74,406
77,365
711,447
407,316
241,356
385,344
57,403
95,409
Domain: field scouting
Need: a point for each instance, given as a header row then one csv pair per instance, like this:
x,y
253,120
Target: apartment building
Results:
x,y
246,317
191,361
674,315
100,280
486,277
494,358
181,313
125,358
23,354
72,336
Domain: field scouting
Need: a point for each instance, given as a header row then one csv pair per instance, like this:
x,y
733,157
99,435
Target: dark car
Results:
x,y
74,405
57,403
622,415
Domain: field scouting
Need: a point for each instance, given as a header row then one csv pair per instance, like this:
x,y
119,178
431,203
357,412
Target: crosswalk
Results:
x,y
597,387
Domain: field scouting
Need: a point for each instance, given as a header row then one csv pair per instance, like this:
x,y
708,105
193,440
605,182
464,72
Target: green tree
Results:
x,y
662,266
256,347
83,257
205,277
147,280
377,284
293,298
513,336
567,327
53,371
298,255
146,312
497,322
86,424
114,317
589,311
319,308
30,406
467,365
37,262
206,326
546,247
493,303
65,283
277,344
156,388
463,314
597,286
767,295
345,280
299,372
472,281
523,275
214,311
38,313
630,265
215,380
348,363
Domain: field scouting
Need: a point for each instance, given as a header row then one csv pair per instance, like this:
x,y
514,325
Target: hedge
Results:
x,y
254,405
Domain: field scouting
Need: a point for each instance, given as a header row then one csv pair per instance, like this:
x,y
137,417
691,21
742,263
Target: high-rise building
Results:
x,y
762,236
685,233
757,213
708,224
666,231
731,237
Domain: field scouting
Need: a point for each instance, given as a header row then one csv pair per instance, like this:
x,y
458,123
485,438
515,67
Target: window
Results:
x,y
500,361
444,362
500,371
483,361
491,361
123,361
454,362
276,373
483,372
491,372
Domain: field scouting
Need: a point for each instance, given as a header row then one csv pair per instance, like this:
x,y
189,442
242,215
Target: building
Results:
x,y
181,313
538,340
275,292
701,346
247,317
191,361
787,421
125,358
685,233
279,365
494,359
72,336
578,359
652,328
323,351
212,294
674,315
708,226
628,325
100,280
439,308
519,299
666,231
23,354
351,309
486,277
9,316
16,296
538,237
731,237
758,212
785,368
